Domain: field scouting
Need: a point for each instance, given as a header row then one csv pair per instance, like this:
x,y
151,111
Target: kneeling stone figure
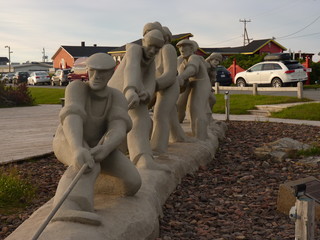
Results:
x,y
93,123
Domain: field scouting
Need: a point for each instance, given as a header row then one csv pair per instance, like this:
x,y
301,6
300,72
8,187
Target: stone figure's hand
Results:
x,y
180,80
100,152
82,156
132,98
144,96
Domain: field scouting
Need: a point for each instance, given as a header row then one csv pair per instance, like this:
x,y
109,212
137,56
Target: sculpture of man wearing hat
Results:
x,y
135,77
93,123
193,76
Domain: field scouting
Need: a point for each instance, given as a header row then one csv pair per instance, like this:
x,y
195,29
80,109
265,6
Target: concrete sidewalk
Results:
x,y
26,132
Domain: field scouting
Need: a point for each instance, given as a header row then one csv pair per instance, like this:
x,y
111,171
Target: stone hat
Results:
x,y
217,56
154,37
100,61
188,42
151,26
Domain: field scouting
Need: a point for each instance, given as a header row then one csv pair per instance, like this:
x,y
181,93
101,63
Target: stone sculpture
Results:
x,y
165,117
194,79
135,77
212,62
94,121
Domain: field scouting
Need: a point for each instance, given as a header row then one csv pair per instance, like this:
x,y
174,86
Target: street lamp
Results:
x,y
9,57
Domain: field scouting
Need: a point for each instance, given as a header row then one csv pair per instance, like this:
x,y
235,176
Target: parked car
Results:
x,y
20,77
223,76
7,78
38,77
78,73
60,77
277,70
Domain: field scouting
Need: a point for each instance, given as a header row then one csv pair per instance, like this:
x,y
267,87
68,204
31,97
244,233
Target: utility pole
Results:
x,y
44,57
9,57
245,33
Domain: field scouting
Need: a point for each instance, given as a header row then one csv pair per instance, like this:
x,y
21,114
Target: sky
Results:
x,y
33,28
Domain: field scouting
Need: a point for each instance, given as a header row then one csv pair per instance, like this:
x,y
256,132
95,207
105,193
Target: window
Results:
x,y
256,68
267,66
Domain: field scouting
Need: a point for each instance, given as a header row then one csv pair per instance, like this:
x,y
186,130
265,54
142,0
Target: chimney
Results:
x,y
94,45
83,44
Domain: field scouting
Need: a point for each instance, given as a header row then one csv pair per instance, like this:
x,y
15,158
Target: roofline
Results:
x,y
116,52
189,34
270,40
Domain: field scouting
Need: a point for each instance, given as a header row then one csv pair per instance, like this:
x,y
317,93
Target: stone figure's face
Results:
x,y
98,79
214,62
186,50
150,51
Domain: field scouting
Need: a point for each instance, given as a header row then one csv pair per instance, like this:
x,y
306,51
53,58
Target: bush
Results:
x,y
15,96
14,192
244,61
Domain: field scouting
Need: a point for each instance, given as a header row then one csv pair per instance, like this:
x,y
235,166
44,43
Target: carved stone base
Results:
x,y
133,217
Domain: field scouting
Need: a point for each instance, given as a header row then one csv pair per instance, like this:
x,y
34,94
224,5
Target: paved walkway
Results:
x,y
26,132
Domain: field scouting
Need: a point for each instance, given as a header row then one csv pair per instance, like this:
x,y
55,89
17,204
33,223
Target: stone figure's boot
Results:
x,y
146,161
78,206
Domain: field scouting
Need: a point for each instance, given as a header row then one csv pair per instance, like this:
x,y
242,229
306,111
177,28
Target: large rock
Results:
x,y
280,149
133,217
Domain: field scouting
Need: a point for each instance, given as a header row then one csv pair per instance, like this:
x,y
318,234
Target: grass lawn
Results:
x,y
309,111
47,95
240,103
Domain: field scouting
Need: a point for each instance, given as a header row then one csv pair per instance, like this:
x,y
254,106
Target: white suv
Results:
x,y
276,73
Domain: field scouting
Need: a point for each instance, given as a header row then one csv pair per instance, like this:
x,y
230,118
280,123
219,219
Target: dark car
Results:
x,y
20,77
223,76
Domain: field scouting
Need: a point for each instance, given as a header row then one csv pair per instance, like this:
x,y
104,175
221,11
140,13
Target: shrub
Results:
x,y
15,96
14,191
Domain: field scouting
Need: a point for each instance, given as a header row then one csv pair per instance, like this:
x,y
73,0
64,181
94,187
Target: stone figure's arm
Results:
x,y
149,83
72,117
132,75
189,71
111,140
169,56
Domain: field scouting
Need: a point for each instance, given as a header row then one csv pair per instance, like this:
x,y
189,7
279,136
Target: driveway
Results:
x,y
27,131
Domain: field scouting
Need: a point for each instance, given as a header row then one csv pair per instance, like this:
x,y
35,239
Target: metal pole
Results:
x,y
227,104
64,196
9,57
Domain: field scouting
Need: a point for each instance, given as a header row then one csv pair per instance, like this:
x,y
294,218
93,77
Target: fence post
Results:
x,y
255,89
227,104
300,90
216,87
304,226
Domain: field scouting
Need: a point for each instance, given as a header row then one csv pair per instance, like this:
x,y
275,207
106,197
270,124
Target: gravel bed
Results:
x,y
234,197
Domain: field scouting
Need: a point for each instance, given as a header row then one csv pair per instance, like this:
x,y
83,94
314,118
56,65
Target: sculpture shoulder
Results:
x,y
132,48
76,90
169,50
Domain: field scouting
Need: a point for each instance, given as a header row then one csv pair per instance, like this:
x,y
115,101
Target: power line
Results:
x,y
300,29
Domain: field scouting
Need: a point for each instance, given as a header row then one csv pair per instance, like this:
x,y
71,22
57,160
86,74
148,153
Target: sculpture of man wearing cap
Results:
x,y
165,117
93,123
135,77
193,76
212,62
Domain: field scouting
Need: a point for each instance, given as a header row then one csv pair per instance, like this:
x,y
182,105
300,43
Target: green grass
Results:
x,y
14,191
314,86
240,104
308,111
47,95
